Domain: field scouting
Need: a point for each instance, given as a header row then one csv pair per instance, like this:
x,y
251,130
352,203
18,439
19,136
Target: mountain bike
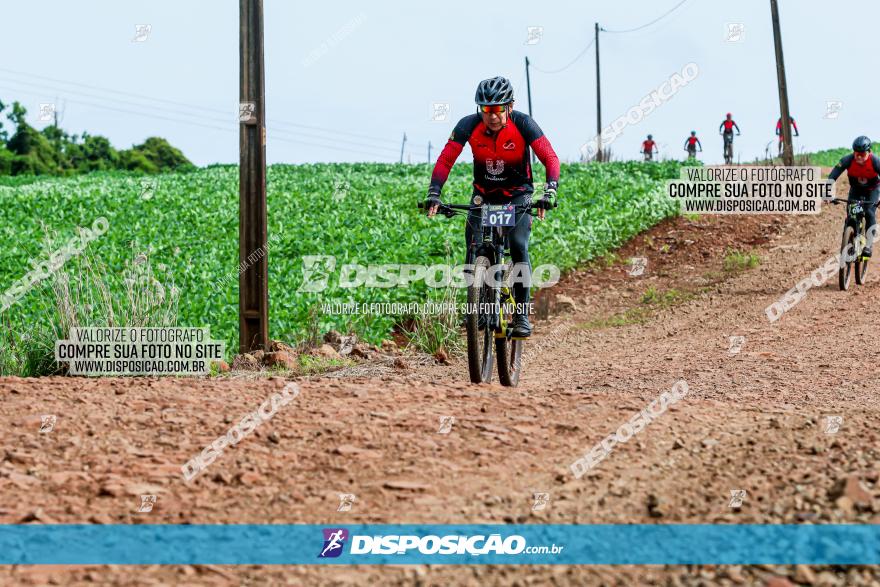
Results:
x,y
490,303
728,148
853,242
649,156
692,152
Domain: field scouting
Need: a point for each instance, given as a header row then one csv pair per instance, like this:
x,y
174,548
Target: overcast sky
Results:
x,y
345,80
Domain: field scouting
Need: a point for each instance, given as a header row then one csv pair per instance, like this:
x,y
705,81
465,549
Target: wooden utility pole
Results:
x,y
529,94
402,145
599,156
253,281
788,150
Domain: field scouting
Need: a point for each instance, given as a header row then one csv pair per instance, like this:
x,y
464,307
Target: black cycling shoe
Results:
x,y
866,252
521,328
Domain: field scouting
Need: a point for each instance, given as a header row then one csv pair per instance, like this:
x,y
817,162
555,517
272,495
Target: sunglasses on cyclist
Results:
x,y
495,109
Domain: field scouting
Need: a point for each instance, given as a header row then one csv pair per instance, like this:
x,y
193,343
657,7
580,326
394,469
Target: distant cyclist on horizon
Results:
x,y
779,131
863,171
500,139
691,143
649,147
726,130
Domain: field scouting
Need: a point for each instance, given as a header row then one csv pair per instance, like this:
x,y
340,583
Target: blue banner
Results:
x,y
525,544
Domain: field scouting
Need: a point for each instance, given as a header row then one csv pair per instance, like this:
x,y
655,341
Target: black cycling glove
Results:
x,y
433,198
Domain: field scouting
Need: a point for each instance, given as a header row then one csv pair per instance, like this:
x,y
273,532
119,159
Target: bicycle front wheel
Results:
x,y
479,341
848,255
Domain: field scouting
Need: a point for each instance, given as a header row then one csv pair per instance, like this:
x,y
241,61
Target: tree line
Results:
x,y
25,150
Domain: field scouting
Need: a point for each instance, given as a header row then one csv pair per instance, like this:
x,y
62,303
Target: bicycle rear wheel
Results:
x,y
847,257
861,265
479,343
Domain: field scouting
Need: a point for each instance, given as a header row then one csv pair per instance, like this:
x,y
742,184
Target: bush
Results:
x,y
6,158
156,153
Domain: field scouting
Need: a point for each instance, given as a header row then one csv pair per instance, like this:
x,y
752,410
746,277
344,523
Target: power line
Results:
x,y
646,25
572,62
191,118
198,108
272,135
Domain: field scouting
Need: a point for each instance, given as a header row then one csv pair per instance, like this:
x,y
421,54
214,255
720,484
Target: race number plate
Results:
x,y
499,215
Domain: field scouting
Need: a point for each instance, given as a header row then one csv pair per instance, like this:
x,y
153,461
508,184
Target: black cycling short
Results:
x,y
518,240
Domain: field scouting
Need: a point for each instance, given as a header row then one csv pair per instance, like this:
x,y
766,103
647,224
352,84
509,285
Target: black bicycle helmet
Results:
x,y
494,91
862,144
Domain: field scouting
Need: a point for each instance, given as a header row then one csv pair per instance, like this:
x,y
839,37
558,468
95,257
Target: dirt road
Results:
x,y
761,418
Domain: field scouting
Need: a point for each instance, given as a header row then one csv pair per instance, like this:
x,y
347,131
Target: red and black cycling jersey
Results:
x,y
728,126
865,176
779,126
648,146
692,142
502,161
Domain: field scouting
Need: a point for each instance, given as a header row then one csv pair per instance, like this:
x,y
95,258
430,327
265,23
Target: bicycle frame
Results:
x,y
487,324
493,244
856,215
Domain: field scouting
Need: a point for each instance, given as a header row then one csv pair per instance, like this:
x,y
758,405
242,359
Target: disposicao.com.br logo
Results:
x,y
476,545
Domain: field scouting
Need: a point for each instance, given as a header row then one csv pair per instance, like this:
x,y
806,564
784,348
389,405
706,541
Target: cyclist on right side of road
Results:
x,y
779,131
863,171
691,143
649,147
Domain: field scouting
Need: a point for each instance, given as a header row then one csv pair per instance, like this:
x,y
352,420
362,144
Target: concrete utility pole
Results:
x,y
253,282
402,145
788,150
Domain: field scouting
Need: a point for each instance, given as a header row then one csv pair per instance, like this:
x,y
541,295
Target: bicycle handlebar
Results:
x,y
843,201
451,210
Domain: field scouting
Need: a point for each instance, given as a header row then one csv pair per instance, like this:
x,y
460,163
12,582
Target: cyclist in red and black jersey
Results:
x,y
691,143
779,131
501,139
726,130
863,171
727,125
649,147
